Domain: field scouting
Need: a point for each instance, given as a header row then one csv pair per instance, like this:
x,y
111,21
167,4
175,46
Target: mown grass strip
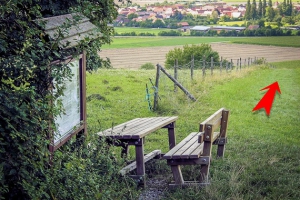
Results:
x,y
283,41
135,42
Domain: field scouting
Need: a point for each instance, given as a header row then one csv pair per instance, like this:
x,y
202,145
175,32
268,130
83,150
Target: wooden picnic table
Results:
x,y
134,132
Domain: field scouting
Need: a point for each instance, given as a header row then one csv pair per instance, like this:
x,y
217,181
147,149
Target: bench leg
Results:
x,y
125,150
204,173
177,174
172,138
220,151
223,133
140,162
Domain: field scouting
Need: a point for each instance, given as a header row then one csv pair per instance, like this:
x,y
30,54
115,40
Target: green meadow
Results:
x,y
134,42
262,154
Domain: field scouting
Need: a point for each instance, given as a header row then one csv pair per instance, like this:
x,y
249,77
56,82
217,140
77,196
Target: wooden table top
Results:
x,y
137,128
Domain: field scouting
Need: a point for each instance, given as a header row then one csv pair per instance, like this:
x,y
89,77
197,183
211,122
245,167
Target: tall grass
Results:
x,y
262,155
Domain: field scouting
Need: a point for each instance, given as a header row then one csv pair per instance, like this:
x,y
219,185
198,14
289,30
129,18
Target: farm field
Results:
x,y
133,58
134,42
262,155
138,30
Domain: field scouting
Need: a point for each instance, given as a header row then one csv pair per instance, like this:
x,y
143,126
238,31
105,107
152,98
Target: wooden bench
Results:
x,y
196,148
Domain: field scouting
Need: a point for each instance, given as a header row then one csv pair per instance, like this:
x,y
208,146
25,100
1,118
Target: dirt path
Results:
x,y
133,58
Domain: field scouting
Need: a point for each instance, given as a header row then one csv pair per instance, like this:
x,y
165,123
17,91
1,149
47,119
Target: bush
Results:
x,y
147,66
146,34
184,55
169,33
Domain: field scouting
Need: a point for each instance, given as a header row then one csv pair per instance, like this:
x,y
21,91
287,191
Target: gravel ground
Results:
x,y
156,187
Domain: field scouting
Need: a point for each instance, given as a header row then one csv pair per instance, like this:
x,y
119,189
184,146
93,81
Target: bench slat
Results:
x,y
211,119
161,122
180,144
185,149
198,151
137,128
116,129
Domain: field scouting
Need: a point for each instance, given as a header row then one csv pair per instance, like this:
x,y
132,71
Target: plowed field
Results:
x,y
133,58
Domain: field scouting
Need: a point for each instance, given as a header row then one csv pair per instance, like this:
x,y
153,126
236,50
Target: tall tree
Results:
x,y
253,11
284,7
270,13
264,6
260,9
270,4
248,11
289,9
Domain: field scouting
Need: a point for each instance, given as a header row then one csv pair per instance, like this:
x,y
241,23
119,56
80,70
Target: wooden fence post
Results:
x,y
156,87
221,65
178,84
237,64
240,64
231,65
211,65
203,67
175,74
192,67
226,66
248,61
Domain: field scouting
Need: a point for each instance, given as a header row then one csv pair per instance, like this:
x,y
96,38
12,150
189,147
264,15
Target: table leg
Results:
x,y
125,150
171,133
140,162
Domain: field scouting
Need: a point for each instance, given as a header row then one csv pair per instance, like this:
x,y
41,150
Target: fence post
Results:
x,y
221,65
245,62
179,85
175,74
240,64
203,68
231,64
192,67
211,65
248,61
156,87
237,64
226,66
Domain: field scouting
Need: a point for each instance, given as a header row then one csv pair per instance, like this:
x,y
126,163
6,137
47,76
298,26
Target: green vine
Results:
x,y
26,112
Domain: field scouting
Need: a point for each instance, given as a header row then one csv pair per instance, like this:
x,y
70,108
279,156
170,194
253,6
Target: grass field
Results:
x,y
262,155
138,30
240,23
285,41
133,42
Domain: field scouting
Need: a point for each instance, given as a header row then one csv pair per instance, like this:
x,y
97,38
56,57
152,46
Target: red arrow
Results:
x,y
267,100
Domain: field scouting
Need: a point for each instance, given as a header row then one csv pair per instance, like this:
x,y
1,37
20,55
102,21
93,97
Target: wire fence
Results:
x,y
184,75
211,66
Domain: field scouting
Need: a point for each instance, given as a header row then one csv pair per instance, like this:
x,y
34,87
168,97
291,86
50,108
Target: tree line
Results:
x,y
264,10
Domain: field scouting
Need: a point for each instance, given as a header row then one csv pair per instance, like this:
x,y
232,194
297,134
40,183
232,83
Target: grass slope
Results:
x,y
262,154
